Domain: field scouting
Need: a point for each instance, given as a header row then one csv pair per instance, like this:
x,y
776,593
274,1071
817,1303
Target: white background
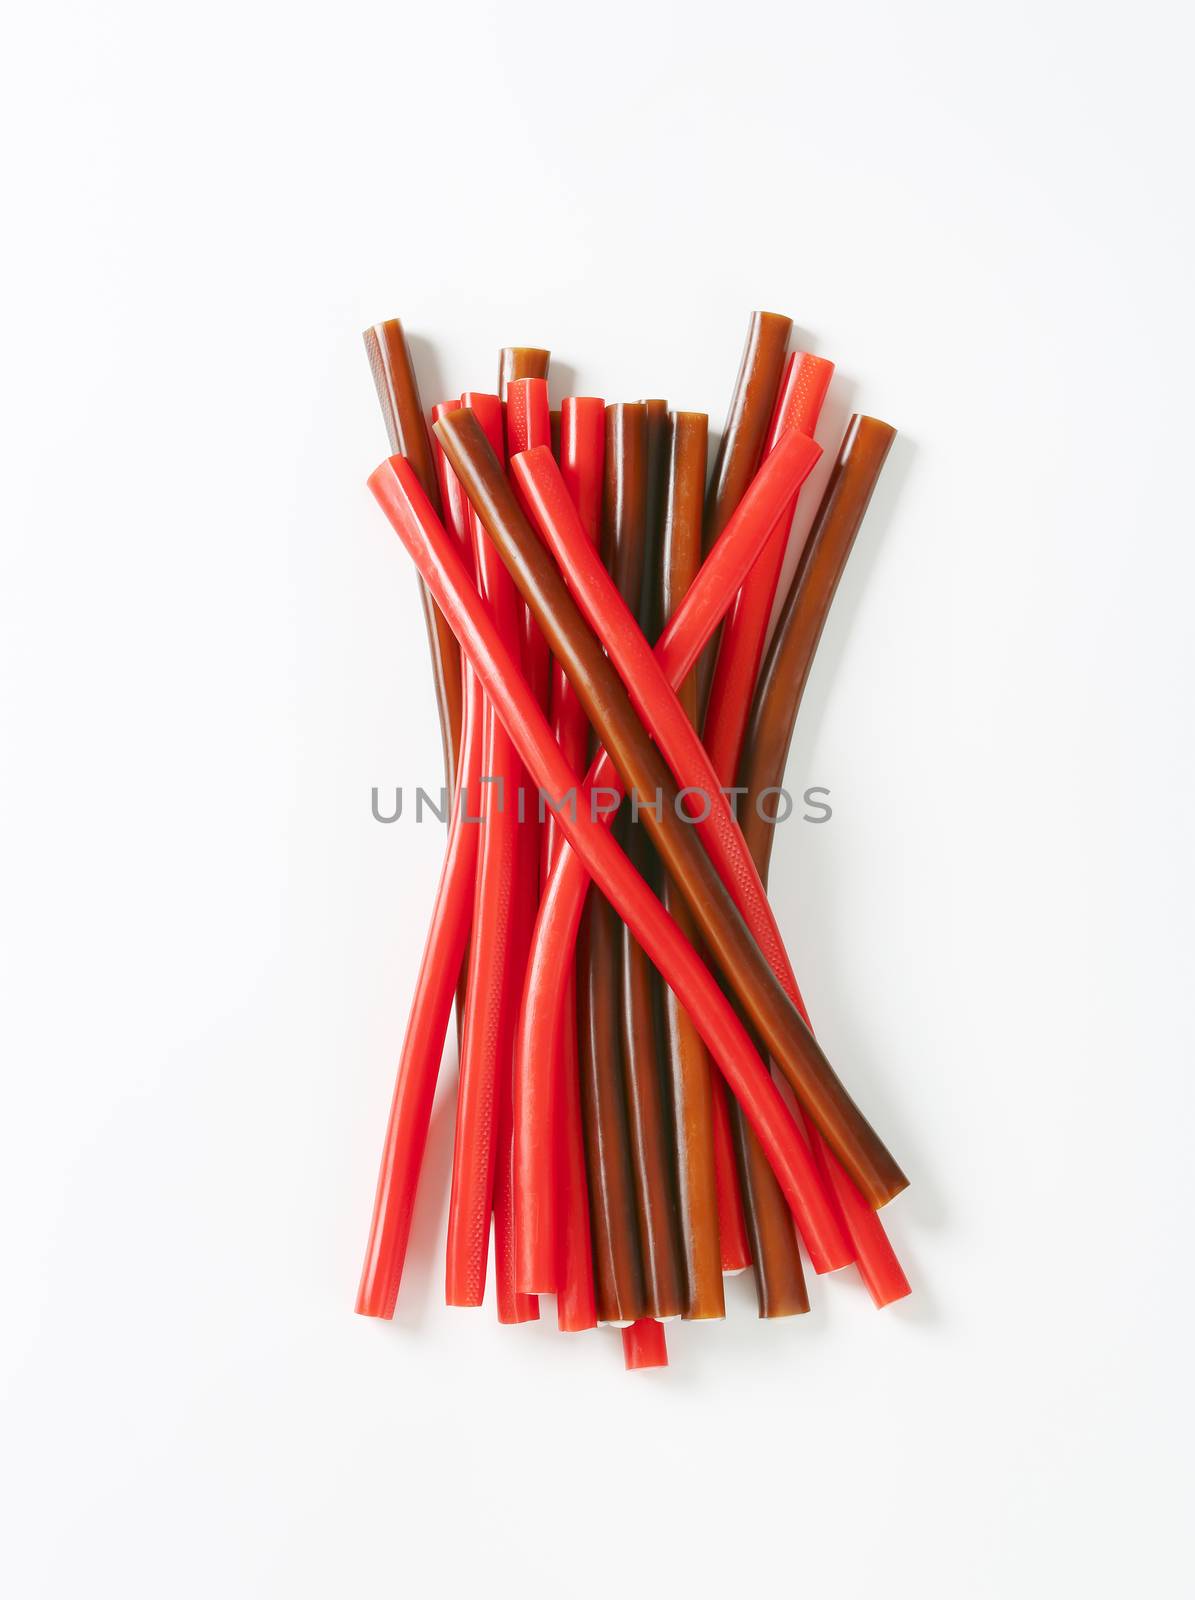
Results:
x,y
213,649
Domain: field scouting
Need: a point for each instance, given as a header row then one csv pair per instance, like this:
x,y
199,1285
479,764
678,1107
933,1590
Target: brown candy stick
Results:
x,y
747,419
406,428
689,1065
776,1260
642,768
742,442
520,361
633,438
617,1260
619,1288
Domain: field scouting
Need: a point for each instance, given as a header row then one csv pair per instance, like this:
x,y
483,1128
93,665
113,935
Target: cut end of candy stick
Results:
x,y
802,391
521,361
644,1345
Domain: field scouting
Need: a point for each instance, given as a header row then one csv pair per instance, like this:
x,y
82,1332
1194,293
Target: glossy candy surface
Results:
x,y
401,497
597,618
678,648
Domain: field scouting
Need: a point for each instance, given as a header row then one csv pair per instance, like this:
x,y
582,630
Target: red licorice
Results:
x,y
529,836
481,1183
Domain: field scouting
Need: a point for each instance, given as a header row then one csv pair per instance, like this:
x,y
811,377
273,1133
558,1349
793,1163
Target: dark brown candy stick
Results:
x,y
628,536
617,1260
742,442
688,1063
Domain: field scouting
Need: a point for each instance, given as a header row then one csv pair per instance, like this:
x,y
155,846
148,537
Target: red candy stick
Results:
x,y
494,977
439,971
582,446
527,423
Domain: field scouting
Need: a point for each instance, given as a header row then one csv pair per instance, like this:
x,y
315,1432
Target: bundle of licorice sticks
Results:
x,y
642,1105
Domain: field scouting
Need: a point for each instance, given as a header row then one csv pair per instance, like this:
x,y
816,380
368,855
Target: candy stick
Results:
x,y
527,424
747,419
628,534
607,1082
494,973
551,1252
441,969
617,1254
689,1065
512,1305
525,420
741,445
779,1279
576,1305
580,450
